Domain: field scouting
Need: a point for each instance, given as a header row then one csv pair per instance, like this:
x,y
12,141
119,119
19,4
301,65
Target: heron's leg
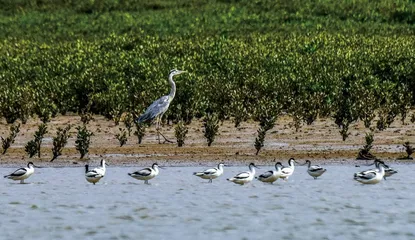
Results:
x,y
158,127
159,133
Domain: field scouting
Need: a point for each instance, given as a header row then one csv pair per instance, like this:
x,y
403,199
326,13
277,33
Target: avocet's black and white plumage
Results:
x,y
372,176
101,169
92,176
146,173
22,173
288,171
156,110
272,175
315,171
211,173
388,170
244,177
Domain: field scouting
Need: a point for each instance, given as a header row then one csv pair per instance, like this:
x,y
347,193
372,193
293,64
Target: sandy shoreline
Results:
x,y
320,142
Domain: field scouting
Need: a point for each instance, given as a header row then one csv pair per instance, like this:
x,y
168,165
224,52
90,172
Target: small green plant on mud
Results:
x,y
83,140
122,137
128,122
86,117
412,118
180,131
140,131
211,127
59,142
7,142
33,146
409,150
364,153
267,122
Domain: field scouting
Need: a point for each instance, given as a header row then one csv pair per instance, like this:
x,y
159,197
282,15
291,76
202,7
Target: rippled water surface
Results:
x,y
59,203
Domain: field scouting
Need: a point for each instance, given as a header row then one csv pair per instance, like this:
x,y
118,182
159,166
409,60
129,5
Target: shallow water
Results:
x,y
59,203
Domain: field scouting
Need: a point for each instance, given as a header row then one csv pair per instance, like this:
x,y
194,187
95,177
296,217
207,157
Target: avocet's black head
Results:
x,y
278,164
253,165
291,160
30,164
307,161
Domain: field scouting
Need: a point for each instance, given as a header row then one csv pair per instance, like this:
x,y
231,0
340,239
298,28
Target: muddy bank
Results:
x,y
319,142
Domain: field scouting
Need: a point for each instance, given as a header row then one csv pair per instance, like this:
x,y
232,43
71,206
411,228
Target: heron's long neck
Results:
x,y
173,87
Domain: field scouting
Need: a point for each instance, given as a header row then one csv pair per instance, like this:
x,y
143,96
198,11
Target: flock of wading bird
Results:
x,y
371,176
155,112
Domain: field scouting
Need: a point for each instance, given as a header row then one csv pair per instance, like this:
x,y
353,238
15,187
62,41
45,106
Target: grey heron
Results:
x,y
156,110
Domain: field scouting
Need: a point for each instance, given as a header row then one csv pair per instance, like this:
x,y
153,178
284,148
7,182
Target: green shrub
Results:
x,y
7,142
59,142
83,140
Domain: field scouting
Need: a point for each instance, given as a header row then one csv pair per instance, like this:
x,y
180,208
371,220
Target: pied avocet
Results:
x,y
92,176
211,173
101,169
244,177
22,173
315,171
371,176
288,171
146,173
388,170
272,175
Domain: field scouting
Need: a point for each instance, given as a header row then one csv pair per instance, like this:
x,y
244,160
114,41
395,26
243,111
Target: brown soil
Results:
x,y
319,142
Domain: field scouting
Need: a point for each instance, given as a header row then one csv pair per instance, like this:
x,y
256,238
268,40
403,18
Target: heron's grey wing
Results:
x,y
158,107
266,174
19,172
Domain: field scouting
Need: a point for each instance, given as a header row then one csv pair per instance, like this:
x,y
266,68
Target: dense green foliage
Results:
x,y
349,60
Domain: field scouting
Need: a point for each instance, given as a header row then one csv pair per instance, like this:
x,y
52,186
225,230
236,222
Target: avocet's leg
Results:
x,y
22,181
210,180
